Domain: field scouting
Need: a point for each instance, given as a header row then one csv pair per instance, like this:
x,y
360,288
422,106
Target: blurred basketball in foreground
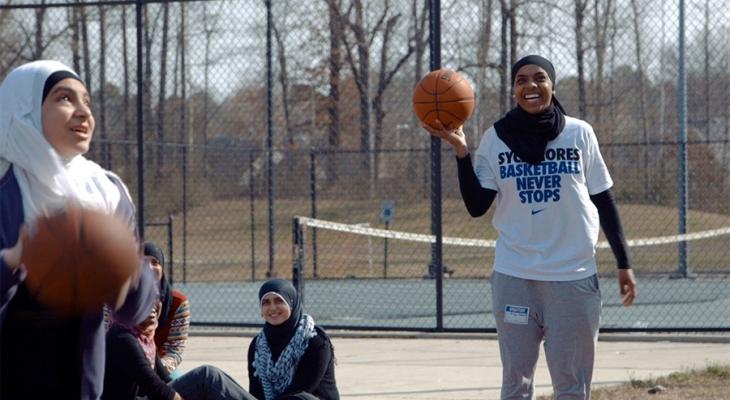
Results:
x,y
78,260
443,95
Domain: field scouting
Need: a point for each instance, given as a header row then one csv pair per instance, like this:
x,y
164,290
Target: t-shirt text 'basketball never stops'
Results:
x,y
540,183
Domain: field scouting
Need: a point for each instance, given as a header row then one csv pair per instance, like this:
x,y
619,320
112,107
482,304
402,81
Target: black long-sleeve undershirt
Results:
x,y
478,200
611,224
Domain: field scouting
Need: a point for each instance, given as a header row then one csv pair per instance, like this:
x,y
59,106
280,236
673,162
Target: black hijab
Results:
x,y
527,135
279,336
151,249
56,77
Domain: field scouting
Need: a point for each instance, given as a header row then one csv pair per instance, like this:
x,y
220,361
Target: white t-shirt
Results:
x,y
548,226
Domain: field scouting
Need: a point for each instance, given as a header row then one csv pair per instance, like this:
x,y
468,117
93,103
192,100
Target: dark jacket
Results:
x,y
315,373
67,352
128,374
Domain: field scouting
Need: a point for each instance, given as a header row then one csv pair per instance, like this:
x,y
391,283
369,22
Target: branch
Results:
x,y
378,24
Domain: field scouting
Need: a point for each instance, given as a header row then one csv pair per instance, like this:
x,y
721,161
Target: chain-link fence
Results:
x,y
252,112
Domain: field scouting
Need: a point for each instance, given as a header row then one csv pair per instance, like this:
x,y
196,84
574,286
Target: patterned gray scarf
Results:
x,y
276,376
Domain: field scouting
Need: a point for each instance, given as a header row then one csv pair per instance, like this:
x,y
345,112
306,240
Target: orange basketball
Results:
x,y
443,95
78,260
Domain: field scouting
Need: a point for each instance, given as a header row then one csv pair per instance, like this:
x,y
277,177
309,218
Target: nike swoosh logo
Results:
x,y
538,211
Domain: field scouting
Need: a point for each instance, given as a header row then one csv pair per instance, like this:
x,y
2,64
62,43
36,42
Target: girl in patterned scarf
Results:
x,y
291,358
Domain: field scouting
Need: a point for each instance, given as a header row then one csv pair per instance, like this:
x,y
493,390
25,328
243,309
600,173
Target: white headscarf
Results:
x,y
47,183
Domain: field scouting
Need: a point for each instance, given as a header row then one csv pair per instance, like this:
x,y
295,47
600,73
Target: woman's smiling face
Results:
x,y
533,89
68,123
274,309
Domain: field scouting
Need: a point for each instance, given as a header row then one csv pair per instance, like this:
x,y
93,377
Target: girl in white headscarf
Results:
x,y
46,126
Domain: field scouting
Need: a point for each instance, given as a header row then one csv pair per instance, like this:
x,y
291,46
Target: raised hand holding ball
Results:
x,y
443,95
78,260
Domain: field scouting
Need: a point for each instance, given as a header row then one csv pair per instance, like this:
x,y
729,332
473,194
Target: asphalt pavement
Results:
x,y
400,366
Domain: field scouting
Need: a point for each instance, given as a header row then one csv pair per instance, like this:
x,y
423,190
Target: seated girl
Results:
x,y
291,358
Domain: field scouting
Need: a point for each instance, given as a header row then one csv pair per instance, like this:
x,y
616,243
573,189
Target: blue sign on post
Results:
x,y
387,210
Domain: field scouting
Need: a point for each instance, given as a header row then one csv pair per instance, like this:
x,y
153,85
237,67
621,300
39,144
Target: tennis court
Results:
x,y
663,303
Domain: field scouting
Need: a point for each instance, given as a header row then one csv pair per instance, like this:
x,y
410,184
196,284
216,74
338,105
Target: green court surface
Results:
x,y
410,304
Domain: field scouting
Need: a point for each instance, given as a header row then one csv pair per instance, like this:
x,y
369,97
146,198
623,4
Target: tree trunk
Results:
x,y
504,65
182,46
336,32
385,77
125,104
162,97
485,39
147,75
601,18
284,83
101,120
363,80
75,38
85,46
513,37
611,81
706,45
420,43
642,100
40,13
206,84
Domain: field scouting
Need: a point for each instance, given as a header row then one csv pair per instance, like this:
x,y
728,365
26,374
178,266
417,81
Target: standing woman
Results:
x,y
46,125
291,358
552,189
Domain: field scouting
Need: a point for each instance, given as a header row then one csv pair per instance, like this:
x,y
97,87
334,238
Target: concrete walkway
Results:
x,y
443,366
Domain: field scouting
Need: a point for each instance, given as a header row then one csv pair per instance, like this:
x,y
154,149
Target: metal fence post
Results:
x,y
252,198
269,136
298,257
436,215
682,113
170,218
313,193
140,122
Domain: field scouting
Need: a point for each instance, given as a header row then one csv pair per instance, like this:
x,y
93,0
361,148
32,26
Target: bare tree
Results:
x,y
602,10
485,39
85,46
336,33
361,69
419,14
40,13
385,76
74,22
612,80
642,93
125,104
162,97
11,46
101,125
284,83
725,110
183,113
706,59
147,76
385,24
506,8
209,27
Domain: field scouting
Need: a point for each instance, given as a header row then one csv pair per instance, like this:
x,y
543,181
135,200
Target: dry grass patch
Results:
x,y
712,383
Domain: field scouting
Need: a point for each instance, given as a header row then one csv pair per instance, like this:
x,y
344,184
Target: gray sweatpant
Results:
x,y
209,383
565,314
